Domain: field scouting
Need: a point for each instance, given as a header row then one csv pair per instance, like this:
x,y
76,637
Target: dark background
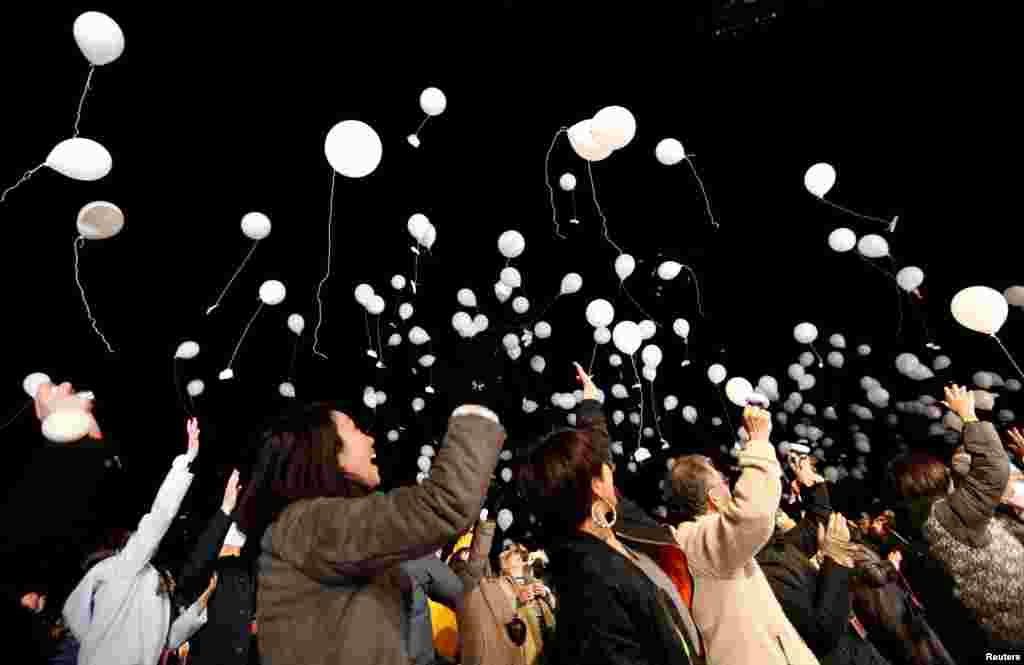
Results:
x,y
215,112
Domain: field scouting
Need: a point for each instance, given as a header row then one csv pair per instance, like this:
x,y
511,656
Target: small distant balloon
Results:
x,y
195,387
669,270
286,389
398,282
716,374
669,152
910,278
571,283
187,351
272,292
567,182
417,404
520,305
511,244
256,226
542,330
681,328
842,240
625,264
296,323
433,102
873,246
100,220
819,179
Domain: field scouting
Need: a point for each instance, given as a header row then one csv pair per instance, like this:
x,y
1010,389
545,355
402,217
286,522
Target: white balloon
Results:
x,y
864,350
382,397
615,360
296,323
537,364
256,225
806,359
393,436
941,362
571,283
634,418
1014,296
363,294
795,371
466,298
195,387
582,140
613,127
642,454
430,237
602,335
669,152
830,413
600,313
617,418
625,264
669,270
1013,385
650,373
33,381
647,329
809,410
506,474
819,179
805,333
837,341
520,305
370,398
652,355
910,278
567,182
462,323
769,386
405,311
187,351
375,306
690,414
627,337
515,353
66,425
353,149
286,389
417,227
418,404
99,220
398,282
873,246
542,330
981,309
505,519
510,341
681,328
529,406
806,382
716,374
571,419
671,402
738,390
80,159
480,323
716,421
427,360
982,380
99,37
906,362
418,336
835,359
863,446
502,292
511,278
433,102
423,463
842,240
619,391
395,339
226,374
511,244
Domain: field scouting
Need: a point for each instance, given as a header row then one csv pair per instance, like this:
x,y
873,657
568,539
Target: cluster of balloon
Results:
x,y
425,235
101,41
70,418
354,150
819,180
373,304
256,226
652,357
187,351
611,129
670,152
433,102
272,293
983,310
98,220
806,333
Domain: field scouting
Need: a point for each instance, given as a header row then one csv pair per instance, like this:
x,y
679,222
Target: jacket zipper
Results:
x,y
783,648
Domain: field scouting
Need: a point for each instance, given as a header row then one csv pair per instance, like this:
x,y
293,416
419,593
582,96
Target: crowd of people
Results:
x,y
311,564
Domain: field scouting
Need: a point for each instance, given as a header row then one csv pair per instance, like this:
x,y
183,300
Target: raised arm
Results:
x,y
191,620
437,579
360,537
817,512
976,498
154,525
196,571
590,413
475,568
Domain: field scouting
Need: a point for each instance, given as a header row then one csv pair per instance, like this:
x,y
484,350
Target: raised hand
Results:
x,y
757,422
230,494
1016,444
960,401
589,389
192,427
896,557
204,600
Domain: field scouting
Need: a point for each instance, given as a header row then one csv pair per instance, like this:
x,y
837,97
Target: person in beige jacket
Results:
x,y
739,618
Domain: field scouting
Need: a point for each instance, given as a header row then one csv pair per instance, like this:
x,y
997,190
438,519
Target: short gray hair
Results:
x,y
690,479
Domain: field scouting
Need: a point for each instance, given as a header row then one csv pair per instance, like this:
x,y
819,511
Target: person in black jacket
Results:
x,y
816,596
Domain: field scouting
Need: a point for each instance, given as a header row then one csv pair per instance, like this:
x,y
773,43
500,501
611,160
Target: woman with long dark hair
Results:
x,y
329,585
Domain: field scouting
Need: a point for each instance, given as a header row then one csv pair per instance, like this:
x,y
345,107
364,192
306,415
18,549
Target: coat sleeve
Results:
x,y
473,570
437,580
360,537
821,619
819,508
975,500
186,625
195,574
144,542
724,542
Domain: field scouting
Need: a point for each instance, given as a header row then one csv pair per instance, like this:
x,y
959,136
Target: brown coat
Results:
x,y
329,584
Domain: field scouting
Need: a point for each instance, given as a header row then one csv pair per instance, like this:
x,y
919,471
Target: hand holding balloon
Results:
x,y
757,422
960,401
66,417
589,389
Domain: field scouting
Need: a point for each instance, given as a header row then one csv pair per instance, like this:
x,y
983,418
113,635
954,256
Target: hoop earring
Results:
x,y
600,517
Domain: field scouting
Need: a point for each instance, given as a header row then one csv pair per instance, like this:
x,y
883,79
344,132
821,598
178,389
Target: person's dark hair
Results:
x,y
919,474
690,480
298,460
556,478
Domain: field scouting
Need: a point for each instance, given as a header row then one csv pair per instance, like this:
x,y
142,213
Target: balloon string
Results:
x,y
420,128
654,412
622,287
604,220
821,363
899,295
1015,365
244,333
177,388
550,305
869,218
79,242
415,272
707,203
232,280
640,431
327,274
192,403
366,321
295,351
551,189
380,349
28,174
81,102
696,284
725,410
16,415
574,214
593,357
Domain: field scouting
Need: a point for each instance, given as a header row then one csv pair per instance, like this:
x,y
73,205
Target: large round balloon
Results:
x,y
625,264
627,337
582,140
80,159
433,102
613,127
353,149
600,313
100,220
805,333
738,390
716,373
647,329
511,244
842,240
669,152
272,292
99,37
256,225
375,305
873,246
819,179
981,309
910,278
652,355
